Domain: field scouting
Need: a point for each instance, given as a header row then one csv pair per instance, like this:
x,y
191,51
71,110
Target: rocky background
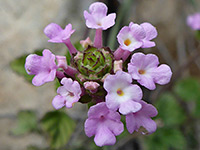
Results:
x,y
21,32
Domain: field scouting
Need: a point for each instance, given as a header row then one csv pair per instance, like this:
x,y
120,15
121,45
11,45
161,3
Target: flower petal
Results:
x,y
104,137
150,31
148,44
91,126
108,21
52,30
129,107
148,82
138,32
162,74
58,102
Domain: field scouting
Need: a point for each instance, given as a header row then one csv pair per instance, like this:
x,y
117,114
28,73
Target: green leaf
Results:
x,y
165,139
197,34
188,89
59,126
17,65
26,122
196,111
57,84
169,110
68,57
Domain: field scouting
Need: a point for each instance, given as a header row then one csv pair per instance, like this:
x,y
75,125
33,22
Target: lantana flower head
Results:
x,y
194,21
121,93
98,76
145,69
69,94
43,67
104,124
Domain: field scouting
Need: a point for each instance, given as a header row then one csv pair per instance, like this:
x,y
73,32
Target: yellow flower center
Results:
x,y
120,92
127,42
99,24
141,71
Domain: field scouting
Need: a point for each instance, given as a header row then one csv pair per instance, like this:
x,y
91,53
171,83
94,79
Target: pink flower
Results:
x,y
97,18
194,21
57,35
122,94
69,93
43,67
145,69
142,118
104,124
135,36
130,37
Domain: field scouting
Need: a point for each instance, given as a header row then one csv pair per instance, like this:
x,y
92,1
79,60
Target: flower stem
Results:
x,y
98,38
60,74
71,48
120,53
70,71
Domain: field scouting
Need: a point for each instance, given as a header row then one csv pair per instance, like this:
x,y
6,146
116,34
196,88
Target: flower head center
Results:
x,y
120,92
127,42
141,71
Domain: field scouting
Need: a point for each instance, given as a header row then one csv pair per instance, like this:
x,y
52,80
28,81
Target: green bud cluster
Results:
x,y
94,63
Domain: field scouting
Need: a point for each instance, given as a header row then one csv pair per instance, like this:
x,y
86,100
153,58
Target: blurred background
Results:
x,y
24,109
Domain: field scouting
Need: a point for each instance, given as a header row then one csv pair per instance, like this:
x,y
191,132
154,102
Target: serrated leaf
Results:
x,y
169,110
26,122
17,65
188,89
59,126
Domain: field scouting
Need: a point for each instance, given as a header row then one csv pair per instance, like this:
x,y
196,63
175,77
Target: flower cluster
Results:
x,y
98,74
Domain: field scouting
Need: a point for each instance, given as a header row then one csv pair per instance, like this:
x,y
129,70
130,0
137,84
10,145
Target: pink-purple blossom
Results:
x,y
97,17
121,94
43,67
104,124
68,94
58,35
130,37
145,69
135,36
142,118
194,21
